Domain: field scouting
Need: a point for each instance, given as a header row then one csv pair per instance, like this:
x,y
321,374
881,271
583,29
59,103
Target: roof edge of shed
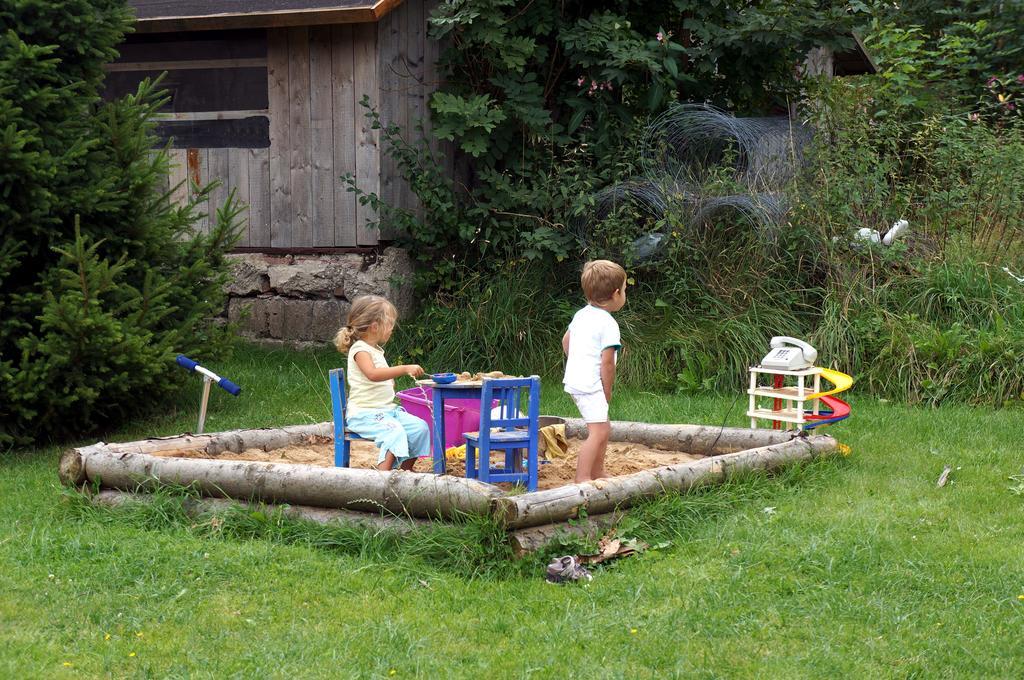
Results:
x,y
369,13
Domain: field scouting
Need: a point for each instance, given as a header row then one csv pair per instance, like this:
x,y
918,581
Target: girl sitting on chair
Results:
x,y
372,412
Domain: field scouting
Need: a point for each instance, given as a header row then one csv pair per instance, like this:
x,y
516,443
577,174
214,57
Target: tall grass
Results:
x,y
935,317
515,324
475,547
932,318
512,322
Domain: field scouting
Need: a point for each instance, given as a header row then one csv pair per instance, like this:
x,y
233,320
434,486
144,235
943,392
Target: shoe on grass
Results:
x,y
568,568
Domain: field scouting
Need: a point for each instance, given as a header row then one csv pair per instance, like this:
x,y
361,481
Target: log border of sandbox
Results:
x,y
557,505
532,518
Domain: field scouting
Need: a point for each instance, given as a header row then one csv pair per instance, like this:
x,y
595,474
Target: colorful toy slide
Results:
x,y
836,409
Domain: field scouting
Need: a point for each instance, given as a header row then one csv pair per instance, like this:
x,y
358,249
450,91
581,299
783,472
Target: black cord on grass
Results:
x,y
725,420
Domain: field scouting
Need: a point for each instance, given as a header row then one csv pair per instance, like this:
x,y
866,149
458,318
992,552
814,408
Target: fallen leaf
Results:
x,y
637,545
611,548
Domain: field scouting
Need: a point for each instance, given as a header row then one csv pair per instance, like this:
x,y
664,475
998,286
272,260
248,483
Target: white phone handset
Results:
x,y
789,354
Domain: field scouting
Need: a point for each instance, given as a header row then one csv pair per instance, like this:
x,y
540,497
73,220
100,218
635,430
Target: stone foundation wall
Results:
x,y
304,299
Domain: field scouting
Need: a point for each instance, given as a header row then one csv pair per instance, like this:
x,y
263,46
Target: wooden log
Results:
x,y
525,541
397,492
212,444
616,493
234,441
158,444
71,469
267,439
697,439
195,507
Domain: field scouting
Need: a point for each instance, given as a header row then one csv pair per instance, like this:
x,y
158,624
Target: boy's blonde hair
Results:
x,y
601,278
365,311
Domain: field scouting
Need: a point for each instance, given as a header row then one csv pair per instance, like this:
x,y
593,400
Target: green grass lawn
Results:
x,y
853,566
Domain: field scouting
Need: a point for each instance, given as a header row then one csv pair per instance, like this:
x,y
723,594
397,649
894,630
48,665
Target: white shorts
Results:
x,y
592,405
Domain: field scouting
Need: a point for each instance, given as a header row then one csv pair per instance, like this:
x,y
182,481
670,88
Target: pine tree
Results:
x,y
102,278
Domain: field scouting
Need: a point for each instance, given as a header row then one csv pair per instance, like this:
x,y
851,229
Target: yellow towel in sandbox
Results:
x,y
551,444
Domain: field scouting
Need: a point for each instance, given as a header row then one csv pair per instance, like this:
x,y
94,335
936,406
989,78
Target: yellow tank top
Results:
x,y
364,394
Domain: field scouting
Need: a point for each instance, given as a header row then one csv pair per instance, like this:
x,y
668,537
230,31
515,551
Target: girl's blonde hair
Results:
x,y
365,311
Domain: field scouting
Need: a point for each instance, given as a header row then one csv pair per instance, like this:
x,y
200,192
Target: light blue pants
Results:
x,y
405,436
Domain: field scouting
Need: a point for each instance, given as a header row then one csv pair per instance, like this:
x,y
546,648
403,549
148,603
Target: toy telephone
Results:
x,y
789,354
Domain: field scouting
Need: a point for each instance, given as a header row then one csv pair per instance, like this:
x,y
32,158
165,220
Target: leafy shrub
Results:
x,y
102,280
952,47
542,102
932,317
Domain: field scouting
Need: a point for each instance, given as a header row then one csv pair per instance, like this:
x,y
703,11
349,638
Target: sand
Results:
x,y
621,459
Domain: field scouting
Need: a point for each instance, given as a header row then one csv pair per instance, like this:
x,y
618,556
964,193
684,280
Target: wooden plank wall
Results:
x,y
444,151
244,171
198,66
408,76
316,77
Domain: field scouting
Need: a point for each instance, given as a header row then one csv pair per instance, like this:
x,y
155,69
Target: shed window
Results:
x,y
216,81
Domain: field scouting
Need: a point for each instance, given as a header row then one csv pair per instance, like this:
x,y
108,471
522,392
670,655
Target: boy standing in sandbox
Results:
x,y
591,345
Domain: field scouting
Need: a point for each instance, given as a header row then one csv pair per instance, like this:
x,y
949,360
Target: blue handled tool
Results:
x,y
209,377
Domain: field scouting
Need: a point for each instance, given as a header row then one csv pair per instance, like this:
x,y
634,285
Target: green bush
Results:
x,y
936,316
102,280
543,102
946,50
932,318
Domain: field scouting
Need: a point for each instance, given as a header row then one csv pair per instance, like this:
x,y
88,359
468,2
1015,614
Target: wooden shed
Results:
x,y
264,96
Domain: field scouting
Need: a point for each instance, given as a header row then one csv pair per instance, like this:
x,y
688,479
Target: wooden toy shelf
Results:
x,y
791,398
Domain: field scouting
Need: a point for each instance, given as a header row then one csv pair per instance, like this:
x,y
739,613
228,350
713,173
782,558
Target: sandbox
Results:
x,y
292,467
622,458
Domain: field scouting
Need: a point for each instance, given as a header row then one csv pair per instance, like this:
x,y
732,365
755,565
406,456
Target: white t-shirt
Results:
x,y
363,393
591,332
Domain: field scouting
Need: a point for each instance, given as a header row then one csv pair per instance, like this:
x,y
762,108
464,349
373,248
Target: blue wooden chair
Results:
x,y
509,431
342,437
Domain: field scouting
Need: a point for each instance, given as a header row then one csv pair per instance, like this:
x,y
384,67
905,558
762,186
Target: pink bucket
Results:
x,y
460,415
